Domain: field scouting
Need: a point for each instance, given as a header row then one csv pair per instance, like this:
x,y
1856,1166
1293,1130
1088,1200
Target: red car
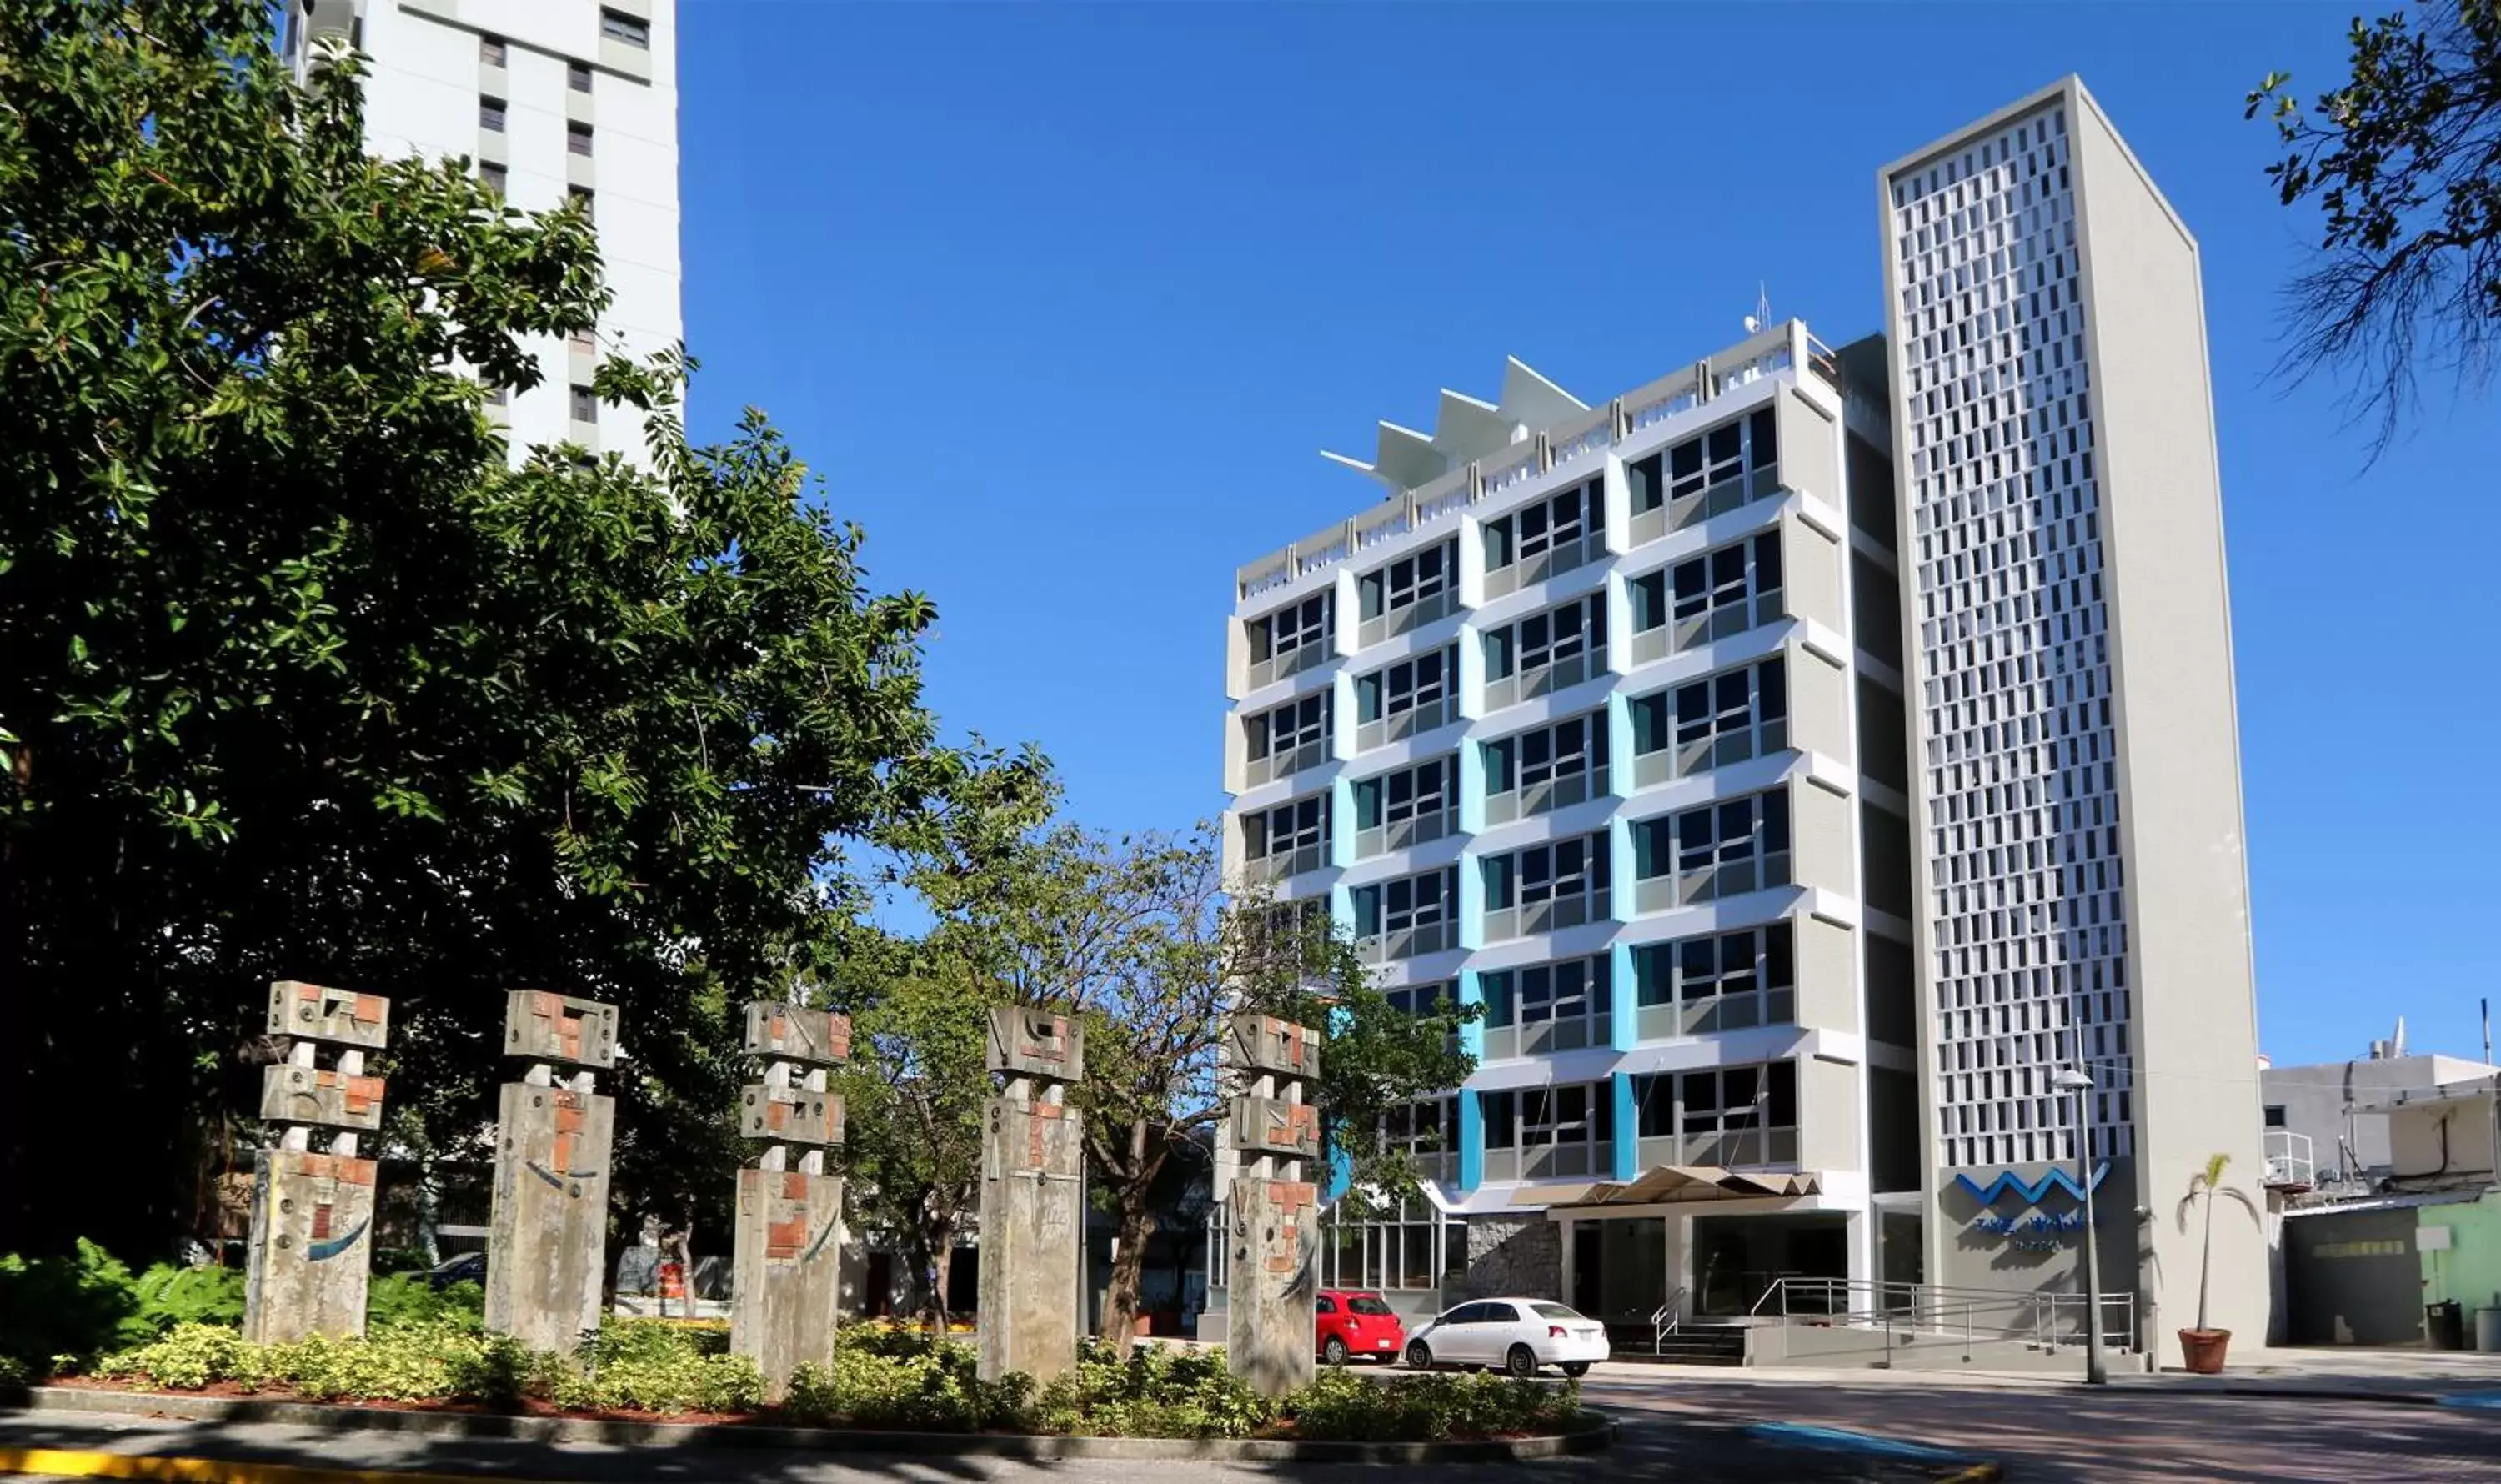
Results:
x,y
1349,1324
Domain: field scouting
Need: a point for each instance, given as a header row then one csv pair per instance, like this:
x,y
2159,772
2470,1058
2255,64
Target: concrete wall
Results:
x,y
2469,1270
2316,1101
2448,1138
2178,769
1811,574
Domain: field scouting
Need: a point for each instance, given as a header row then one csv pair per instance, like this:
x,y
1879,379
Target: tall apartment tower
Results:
x,y
2083,891
554,101
1596,722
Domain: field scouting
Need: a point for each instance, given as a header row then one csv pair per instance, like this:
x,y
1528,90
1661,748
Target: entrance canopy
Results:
x,y
1667,1184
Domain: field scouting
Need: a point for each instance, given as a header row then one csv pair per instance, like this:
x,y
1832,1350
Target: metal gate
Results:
x,y
2352,1278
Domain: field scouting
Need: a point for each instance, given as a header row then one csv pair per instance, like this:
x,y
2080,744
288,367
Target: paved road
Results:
x,y
1678,1428
2067,1433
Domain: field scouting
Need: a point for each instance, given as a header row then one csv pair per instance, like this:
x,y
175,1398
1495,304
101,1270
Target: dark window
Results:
x,y
577,75
490,115
2274,1115
576,138
633,31
585,406
1324,1304
490,50
493,177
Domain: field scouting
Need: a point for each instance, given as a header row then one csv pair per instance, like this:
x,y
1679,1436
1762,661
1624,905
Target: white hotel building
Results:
x,y
1598,721
552,101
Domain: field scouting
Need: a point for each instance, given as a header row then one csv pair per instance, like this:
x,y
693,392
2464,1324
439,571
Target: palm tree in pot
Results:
x,y
2203,1347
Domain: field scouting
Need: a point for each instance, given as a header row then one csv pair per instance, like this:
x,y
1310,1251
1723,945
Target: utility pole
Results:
x,y
2080,1083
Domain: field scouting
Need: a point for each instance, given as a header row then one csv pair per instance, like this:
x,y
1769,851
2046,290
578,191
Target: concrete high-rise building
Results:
x,y
1803,760
553,101
2084,890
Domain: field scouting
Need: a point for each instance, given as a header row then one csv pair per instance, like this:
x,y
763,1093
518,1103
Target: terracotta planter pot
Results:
x,y
2203,1350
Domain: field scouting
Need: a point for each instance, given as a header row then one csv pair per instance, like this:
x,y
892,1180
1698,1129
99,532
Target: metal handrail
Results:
x,y
1664,1320
1930,1306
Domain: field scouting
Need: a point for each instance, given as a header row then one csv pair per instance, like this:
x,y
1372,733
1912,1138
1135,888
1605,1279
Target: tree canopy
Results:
x,y
304,680
2403,161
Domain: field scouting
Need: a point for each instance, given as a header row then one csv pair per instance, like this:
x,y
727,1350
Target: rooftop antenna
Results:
x,y
2485,1005
1762,315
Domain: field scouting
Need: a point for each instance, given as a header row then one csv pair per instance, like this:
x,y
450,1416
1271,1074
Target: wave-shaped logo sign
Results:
x,y
2033,1191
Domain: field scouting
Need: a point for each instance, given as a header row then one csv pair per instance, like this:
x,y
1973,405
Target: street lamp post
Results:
x,y
2080,1083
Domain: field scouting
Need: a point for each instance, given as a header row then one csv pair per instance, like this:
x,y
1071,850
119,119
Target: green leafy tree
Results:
x,y
2403,161
304,680
1145,938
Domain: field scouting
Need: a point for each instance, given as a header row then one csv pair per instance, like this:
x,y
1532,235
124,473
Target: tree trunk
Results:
x,y
1121,1300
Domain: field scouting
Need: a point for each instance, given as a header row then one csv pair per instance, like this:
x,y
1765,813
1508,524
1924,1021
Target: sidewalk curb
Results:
x,y
1593,1437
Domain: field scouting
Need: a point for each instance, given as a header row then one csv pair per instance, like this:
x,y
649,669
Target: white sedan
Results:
x,y
1517,1335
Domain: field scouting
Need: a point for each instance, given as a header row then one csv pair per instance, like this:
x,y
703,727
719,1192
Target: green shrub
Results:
x,y
658,1339
1341,1404
1154,1392
408,1299
189,1356
79,1306
170,1296
678,1382
934,1387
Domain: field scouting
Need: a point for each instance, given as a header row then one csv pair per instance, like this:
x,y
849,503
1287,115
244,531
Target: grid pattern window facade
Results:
x,y
1722,981
1409,592
1546,652
1710,723
1727,1116
1290,640
1711,851
1538,1132
1553,534
1409,806
2022,902
1288,739
1399,700
1717,471
1552,885
1409,915
1545,768
1543,1007
1717,595
1289,839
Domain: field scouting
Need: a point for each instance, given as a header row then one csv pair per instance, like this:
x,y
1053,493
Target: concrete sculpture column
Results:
x,y
1033,1197
311,1213
1273,1209
790,1263
548,1238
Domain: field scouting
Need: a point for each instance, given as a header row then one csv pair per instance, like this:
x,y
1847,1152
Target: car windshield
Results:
x,y
1553,1311
1365,1303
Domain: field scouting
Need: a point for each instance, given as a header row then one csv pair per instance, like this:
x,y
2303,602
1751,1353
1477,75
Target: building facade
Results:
x,y
552,102
2084,890
1803,760
2323,1123
1595,721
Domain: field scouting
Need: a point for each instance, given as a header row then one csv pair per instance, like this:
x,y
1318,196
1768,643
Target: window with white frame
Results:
x,y
1712,851
1410,1247
1413,589
1291,837
1544,537
1542,1007
1427,1132
618,26
1727,1116
1409,806
1292,639
1399,700
1546,767
1407,916
1715,471
1720,981
1710,722
1536,1132
1288,739
1547,886
1546,652
1718,594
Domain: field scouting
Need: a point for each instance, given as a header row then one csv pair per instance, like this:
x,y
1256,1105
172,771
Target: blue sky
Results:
x,y
1062,300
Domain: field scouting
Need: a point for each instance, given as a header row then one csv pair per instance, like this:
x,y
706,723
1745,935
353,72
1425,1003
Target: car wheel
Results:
x,y
1575,1369
1521,1362
1420,1356
1334,1352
